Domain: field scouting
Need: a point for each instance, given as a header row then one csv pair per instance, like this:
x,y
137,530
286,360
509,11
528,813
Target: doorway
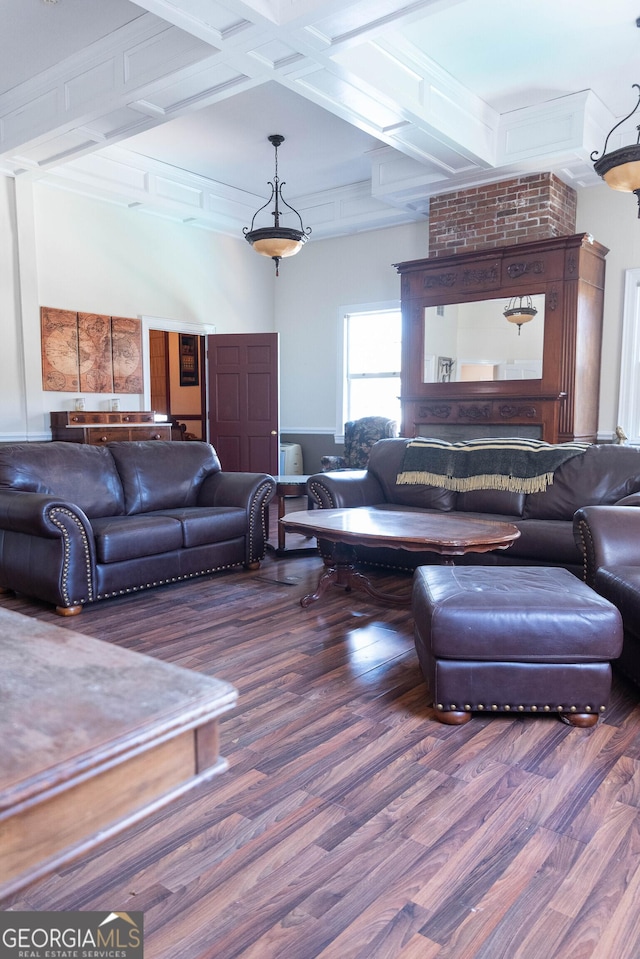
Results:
x,y
177,381
161,324
258,382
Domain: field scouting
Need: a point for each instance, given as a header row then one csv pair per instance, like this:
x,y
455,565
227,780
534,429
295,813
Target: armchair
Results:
x,y
608,536
359,436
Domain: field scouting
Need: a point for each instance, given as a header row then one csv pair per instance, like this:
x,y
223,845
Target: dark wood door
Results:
x,y
243,400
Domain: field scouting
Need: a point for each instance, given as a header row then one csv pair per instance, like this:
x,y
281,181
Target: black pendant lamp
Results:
x,y
620,169
276,241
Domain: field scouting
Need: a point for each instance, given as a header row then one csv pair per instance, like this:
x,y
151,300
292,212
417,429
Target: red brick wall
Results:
x,y
524,209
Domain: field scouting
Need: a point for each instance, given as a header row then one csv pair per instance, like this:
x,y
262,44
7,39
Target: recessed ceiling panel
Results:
x,y
227,142
40,35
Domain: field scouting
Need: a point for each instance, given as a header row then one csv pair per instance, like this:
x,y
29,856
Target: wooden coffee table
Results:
x,y
417,531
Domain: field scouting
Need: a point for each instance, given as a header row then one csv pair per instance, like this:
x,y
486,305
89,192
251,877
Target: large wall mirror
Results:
x,y
474,342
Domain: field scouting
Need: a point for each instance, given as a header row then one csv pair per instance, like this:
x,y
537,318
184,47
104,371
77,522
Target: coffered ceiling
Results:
x,y
165,105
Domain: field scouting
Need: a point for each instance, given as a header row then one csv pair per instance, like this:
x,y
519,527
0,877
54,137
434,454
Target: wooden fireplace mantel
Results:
x,y
562,406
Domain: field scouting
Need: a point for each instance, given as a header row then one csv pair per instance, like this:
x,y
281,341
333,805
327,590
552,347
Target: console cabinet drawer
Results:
x,y
96,436
97,428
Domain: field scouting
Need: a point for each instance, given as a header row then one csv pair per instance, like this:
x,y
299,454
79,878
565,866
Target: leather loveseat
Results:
x,y
608,537
601,475
80,523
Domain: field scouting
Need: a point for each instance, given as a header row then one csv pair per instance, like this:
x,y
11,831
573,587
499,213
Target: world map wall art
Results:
x,y
90,352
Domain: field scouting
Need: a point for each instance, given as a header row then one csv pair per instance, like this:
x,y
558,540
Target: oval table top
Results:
x,y
415,530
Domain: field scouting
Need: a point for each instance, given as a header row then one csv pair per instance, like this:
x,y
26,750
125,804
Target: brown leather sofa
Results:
x,y
602,475
609,540
80,523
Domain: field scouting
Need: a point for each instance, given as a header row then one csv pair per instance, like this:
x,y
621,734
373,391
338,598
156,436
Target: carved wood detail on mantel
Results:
x,y
508,412
521,269
474,412
439,411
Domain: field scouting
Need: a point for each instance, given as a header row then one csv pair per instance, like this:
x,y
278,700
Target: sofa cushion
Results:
x,y
159,475
542,540
547,540
120,538
208,524
520,615
491,501
385,462
599,476
74,472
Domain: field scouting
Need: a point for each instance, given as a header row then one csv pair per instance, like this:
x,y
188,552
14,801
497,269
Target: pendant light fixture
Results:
x,y
276,241
620,169
519,309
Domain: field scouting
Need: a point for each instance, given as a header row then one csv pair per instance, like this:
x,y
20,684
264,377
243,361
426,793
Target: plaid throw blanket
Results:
x,y
513,464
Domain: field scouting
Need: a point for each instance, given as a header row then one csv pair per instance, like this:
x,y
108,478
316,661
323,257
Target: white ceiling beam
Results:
x,y
348,57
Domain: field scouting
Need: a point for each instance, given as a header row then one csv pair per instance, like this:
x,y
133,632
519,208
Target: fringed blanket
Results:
x,y
517,465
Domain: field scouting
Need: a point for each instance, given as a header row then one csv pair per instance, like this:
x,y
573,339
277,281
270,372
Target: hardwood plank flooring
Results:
x,y
352,825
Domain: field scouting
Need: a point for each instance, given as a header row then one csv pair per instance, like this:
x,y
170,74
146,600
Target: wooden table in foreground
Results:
x,y
417,531
94,737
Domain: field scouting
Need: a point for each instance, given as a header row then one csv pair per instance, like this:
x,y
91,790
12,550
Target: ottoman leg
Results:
x,y
454,717
583,720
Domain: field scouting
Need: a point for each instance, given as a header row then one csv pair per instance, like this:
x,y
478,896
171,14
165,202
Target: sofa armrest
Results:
x,y
250,491
337,490
607,536
632,500
36,513
47,548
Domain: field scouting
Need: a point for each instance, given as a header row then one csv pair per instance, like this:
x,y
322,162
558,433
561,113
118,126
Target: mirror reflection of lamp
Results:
x,y
519,310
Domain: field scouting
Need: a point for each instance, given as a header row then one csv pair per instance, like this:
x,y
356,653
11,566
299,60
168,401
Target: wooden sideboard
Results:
x,y
559,406
99,427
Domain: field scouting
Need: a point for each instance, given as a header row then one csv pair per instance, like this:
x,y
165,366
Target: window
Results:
x,y
372,341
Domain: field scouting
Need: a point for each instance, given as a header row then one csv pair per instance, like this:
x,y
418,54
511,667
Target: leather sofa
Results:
x,y
608,538
81,523
602,475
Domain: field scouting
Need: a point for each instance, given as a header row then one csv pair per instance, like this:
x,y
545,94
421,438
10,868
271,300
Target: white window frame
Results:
x,y
385,306
629,395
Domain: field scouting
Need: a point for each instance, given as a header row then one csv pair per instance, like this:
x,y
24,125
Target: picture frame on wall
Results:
x,y
188,355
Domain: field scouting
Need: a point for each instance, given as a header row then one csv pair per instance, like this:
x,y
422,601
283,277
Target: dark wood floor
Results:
x,y
350,824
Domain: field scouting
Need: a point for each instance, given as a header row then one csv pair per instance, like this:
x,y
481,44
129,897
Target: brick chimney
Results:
x,y
520,210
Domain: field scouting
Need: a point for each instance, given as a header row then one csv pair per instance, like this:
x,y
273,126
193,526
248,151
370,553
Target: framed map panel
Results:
x,y
60,364
126,352
94,353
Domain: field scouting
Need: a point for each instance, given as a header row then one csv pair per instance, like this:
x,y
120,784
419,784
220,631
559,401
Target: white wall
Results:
x,y
98,257
324,276
80,254
612,218
12,384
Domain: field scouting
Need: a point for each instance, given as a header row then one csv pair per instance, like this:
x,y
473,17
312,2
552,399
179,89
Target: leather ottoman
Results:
x,y
514,639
